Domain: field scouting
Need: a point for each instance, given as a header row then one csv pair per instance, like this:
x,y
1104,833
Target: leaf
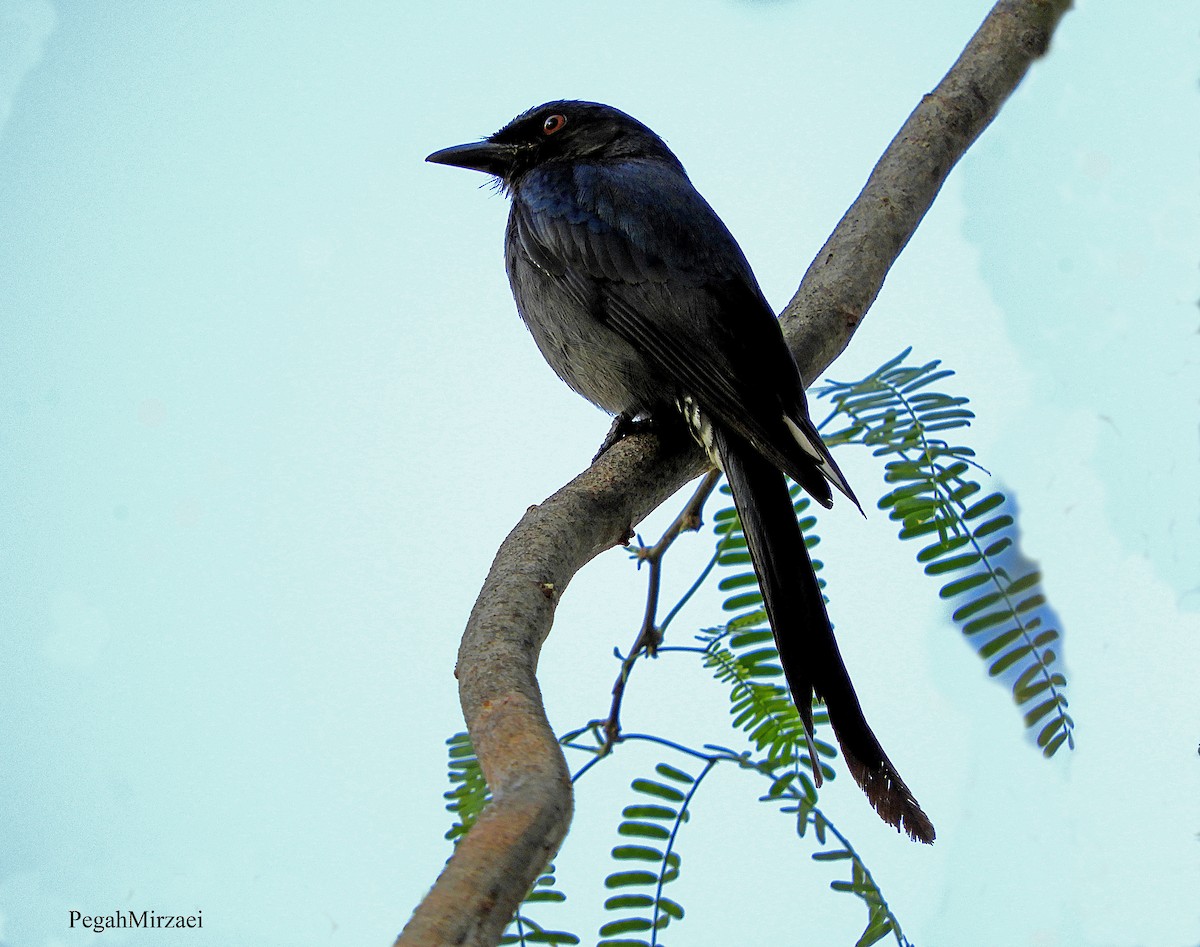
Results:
x,y
1008,660
637,853
670,772
873,935
933,492
618,901
643,830
628,925
629,879
992,526
551,937
985,505
737,602
747,639
648,812
952,564
541,897
1052,747
671,908
650,788
984,601
999,643
965,584
1038,712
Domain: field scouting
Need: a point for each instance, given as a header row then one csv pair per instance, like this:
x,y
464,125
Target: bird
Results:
x,y
641,300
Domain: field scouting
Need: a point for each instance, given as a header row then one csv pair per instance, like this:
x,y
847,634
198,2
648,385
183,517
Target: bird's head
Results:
x,y
557,131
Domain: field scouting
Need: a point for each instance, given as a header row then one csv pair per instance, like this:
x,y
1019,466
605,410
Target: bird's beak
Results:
x,y
487,156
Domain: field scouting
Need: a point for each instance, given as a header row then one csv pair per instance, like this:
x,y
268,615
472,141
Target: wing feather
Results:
x,y
677,286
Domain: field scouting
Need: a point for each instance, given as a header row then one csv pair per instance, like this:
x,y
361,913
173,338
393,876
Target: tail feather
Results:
x,y
803,634
809,441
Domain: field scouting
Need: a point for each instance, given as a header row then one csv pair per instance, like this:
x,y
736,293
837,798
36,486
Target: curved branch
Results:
x,y
846,275
495,865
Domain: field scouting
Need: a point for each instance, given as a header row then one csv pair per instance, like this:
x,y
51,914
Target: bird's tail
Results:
x,y
803,635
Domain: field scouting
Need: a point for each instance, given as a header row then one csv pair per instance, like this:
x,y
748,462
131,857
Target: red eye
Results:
x,y
553,124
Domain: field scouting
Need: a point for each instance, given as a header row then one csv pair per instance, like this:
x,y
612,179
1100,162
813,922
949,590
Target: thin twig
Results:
x,y
649,636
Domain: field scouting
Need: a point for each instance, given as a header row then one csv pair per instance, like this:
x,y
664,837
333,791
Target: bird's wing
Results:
x,y
638,246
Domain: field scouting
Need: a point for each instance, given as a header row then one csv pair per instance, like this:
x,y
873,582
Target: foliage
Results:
x,y
524,930
468,792
652,825
998,599
968,541
765,712
466,799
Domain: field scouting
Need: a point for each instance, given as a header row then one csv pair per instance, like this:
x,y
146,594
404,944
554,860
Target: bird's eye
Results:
x,y
553,124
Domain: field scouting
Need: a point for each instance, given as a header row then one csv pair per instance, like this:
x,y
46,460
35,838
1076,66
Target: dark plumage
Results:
x,y
641,300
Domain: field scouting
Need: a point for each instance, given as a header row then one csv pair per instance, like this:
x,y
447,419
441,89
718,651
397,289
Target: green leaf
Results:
x,y
1008,660
1038,712
747,639
649,788
990,620
746,600
953,563
670,908
550,937
648,812
999,643
965,584
979,604
1034,601
1025,582
997,547
643,830
1052,747
637,853
939,549
538,897
1048,731
992,526
670,772
619,901
628,925
938,524
630,879
874,934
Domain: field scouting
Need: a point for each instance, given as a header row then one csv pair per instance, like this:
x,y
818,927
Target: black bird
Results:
x,y
641,300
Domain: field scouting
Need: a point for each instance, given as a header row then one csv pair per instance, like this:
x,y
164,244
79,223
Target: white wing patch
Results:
x,y
817,453
700,427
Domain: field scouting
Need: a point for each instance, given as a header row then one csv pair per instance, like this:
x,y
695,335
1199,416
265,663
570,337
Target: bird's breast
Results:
x,y
563,311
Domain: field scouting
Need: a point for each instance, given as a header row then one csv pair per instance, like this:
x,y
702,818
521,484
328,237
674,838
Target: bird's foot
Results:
x,y
623,425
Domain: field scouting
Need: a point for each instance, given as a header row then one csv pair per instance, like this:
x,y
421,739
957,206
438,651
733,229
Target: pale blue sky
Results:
x,y
266,411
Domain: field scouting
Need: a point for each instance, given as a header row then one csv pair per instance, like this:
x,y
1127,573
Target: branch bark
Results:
x,y
495,864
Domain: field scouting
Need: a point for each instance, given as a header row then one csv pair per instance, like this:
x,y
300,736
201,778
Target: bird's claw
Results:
x,y
623,426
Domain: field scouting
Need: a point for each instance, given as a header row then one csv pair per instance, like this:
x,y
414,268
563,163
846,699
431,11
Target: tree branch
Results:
x,y
846,275
496,863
